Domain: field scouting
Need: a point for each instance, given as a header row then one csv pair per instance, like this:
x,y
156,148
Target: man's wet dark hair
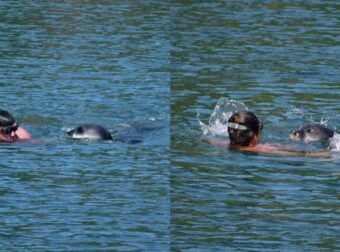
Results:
x,y
6,119
243,127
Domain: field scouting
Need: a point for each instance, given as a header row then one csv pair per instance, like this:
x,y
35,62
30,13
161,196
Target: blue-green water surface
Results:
x,y
69,62
281,58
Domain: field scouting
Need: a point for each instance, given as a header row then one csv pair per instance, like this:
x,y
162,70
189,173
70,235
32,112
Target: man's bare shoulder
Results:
x,y
270,149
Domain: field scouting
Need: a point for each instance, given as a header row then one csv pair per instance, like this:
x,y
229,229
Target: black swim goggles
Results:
x,y
239,126
9,129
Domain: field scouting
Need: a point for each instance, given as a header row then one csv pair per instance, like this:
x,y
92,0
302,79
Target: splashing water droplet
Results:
x,y
224,109
335,142
297,111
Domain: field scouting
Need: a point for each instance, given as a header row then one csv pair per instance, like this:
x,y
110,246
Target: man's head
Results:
x,y
243,129
8,126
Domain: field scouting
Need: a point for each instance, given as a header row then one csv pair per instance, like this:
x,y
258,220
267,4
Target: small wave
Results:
x,y
67,128
223,110
297,111
299,115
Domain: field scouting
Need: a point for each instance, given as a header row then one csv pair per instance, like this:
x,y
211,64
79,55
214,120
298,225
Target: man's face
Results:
x,y
7,134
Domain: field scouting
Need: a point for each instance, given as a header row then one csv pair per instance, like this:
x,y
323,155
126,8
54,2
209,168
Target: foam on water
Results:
x,y
335,142
324,120
223,110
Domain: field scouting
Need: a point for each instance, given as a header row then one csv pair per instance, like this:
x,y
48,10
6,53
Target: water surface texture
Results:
x,y
281,58
69,62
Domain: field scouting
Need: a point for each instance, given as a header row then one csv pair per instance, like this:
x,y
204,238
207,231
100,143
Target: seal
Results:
x,y
311,133
89,131
128,133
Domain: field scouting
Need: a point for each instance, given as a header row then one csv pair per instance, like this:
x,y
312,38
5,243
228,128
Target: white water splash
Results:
x,y
224,109
324,121
297,111
335,142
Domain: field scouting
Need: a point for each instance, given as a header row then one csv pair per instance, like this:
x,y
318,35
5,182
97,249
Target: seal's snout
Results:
x,y
294,135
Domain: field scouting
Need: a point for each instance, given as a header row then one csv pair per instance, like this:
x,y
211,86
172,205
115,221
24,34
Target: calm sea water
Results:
x,y
281,58
64,63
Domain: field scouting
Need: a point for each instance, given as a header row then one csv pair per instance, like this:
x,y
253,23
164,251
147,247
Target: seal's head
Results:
x,y
311,133
89,131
